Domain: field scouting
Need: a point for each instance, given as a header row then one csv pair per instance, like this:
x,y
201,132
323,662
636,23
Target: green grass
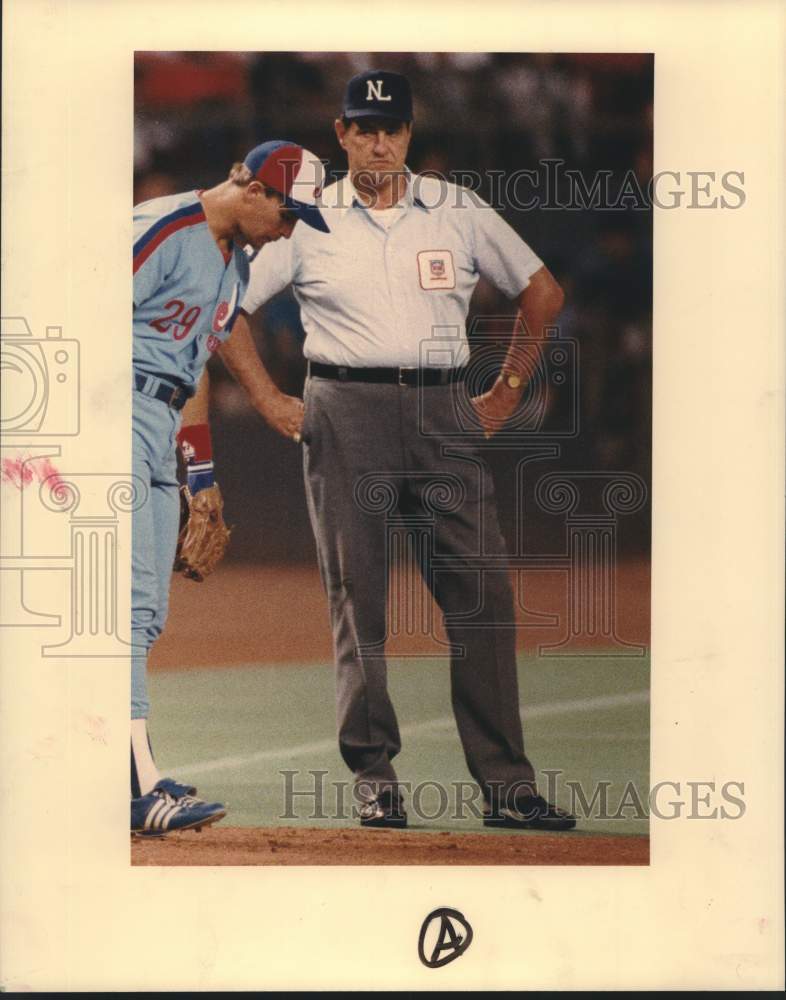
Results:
x,y
233,730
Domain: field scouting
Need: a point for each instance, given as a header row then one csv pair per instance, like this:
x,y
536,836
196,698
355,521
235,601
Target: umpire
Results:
x,y
384,301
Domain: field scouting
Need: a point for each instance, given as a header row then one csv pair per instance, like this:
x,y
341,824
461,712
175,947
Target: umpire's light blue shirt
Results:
x,y
374,295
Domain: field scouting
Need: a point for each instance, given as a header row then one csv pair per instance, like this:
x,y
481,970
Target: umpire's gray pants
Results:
x,y
373,452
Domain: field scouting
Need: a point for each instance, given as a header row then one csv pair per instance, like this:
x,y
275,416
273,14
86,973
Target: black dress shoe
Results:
x,y
532,813
385,812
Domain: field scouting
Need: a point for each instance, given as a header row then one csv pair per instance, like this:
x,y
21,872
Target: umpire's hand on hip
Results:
x,y
283,413
496,406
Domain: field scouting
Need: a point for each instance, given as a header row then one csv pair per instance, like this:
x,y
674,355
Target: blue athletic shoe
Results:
x,y
171,806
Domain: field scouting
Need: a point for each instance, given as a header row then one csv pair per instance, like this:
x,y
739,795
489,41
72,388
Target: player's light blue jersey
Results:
x,y
186,292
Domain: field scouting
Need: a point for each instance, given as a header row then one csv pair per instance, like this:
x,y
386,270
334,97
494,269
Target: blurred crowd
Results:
x,y
491,114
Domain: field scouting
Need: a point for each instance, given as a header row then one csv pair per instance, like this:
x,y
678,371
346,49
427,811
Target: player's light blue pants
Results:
x,y
154,533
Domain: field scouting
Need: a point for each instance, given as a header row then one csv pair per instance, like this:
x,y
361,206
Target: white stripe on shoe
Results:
x,y
152,818
165,818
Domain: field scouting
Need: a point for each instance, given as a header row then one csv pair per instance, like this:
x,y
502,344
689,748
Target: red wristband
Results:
x,y
195,443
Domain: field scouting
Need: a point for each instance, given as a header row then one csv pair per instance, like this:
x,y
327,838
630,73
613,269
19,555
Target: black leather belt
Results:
x,y
173,395
391,376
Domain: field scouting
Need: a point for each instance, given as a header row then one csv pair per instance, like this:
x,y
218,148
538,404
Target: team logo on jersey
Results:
x,y
435,269
224,311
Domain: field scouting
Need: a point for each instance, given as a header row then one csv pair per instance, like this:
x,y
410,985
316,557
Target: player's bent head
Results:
x,y
261,214
242,177
240,174
287,170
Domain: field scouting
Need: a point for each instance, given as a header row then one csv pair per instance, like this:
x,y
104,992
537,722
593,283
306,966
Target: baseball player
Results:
x,y
383,397
190,275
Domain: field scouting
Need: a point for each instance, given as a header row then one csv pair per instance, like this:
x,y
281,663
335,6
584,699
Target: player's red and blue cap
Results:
x,y
297,175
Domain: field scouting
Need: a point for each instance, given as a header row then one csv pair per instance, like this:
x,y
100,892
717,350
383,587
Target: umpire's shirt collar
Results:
x,y
383,290
346,195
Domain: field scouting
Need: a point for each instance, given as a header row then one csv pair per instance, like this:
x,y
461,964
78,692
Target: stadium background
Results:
x,y
195,114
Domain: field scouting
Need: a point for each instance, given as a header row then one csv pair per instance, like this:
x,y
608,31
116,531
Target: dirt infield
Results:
x,y
278,614
294,846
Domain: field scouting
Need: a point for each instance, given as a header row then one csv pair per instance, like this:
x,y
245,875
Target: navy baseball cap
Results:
x,y
378,94
297,175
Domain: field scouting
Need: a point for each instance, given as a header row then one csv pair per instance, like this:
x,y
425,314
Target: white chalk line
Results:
x,y
416,729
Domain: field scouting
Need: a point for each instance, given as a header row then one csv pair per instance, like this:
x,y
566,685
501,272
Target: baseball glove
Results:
x,y
203,534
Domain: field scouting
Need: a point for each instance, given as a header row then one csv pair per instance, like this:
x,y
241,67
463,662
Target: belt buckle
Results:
x,y
401,380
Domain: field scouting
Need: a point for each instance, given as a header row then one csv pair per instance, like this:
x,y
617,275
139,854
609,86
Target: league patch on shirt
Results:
x,y
435,268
